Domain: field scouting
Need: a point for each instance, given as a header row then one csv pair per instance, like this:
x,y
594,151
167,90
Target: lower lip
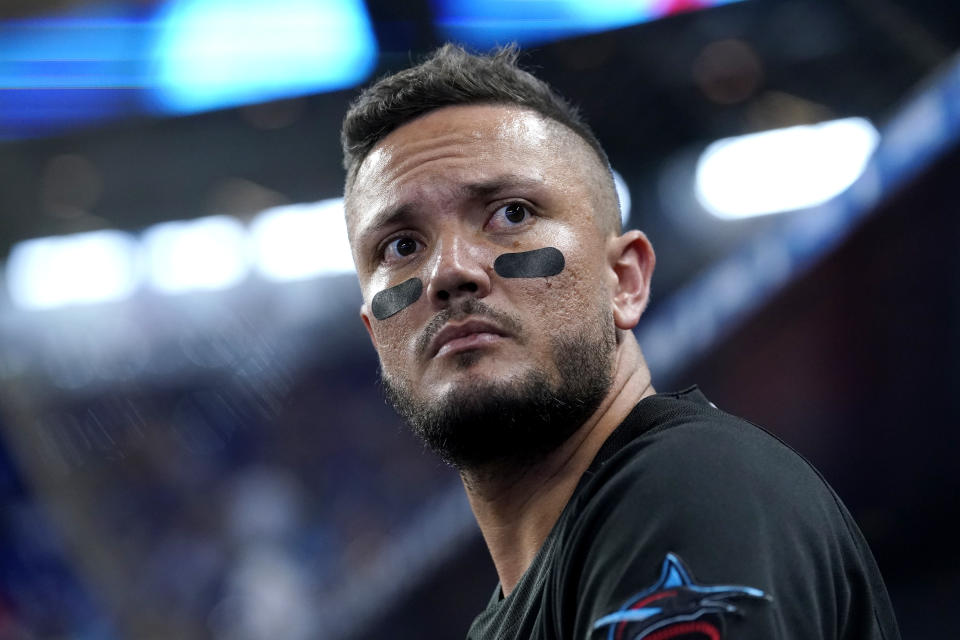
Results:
x,y
472,341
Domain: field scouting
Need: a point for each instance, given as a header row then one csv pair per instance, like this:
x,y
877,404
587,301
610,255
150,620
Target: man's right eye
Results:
x,y
400,248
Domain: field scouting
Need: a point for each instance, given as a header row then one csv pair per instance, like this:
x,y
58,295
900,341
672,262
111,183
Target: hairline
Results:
x,y
598,155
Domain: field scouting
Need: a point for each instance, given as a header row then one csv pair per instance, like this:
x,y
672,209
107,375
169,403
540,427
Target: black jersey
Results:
x,y
692,523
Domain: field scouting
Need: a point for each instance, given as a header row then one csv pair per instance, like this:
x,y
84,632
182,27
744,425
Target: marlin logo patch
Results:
x,y
676,607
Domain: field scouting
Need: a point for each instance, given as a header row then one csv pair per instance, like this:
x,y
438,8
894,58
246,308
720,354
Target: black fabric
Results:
x,y
734,505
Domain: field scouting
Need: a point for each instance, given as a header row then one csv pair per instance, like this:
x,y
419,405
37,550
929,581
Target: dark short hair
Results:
x,y
451,76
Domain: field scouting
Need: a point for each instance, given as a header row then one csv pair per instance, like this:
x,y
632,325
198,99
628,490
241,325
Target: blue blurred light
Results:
x,y
487,23
69,69
108,60
216,53
78,50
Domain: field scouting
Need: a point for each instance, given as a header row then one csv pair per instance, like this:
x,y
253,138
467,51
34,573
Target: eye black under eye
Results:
x,y
515,212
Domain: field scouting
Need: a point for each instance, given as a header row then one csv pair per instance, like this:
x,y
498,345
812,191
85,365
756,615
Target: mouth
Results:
x,y
473,334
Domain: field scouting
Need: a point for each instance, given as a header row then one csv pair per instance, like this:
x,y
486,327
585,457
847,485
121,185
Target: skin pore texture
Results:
x,y
440,199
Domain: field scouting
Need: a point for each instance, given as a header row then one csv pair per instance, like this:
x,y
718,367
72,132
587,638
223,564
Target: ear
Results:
x,y
631,259
365,316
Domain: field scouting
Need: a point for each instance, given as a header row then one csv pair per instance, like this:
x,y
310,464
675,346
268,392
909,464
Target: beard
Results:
x,y
512,424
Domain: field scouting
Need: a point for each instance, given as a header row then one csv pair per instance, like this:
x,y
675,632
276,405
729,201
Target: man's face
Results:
x,y
438,201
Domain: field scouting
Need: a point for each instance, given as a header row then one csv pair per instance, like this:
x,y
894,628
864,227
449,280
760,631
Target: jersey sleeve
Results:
x,y
713,530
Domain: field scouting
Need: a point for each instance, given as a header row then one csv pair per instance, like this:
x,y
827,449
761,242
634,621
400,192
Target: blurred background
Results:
x,y
192,440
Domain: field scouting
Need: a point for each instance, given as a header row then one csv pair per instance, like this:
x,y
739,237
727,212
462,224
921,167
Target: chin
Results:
x,y
485,409
468,372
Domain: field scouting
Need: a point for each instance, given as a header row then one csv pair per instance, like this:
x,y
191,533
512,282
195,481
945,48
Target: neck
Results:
x,y
517,508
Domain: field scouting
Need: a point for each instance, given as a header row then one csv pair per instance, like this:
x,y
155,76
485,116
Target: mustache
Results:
x,y
468,308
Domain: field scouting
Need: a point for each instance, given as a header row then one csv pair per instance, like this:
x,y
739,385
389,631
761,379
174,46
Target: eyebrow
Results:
x,y
496,185
472,191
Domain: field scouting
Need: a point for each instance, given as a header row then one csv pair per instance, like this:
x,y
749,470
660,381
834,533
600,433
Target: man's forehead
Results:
x,y
459,124
466,136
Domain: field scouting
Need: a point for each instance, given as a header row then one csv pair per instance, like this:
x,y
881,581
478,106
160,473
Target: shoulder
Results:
x,y
706,482
731,502
703,456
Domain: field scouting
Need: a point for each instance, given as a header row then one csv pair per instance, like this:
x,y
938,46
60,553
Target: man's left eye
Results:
x,y
514,213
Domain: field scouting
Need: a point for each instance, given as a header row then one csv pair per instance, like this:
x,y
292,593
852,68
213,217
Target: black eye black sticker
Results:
x,y
389,301
538,263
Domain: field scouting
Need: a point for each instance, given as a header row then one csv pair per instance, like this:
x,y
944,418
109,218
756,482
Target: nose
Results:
x,y
458,272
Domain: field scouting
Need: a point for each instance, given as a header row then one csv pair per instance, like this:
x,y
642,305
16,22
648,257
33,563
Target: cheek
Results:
x,y
392,337
569,298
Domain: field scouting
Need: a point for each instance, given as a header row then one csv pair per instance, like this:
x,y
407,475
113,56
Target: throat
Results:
x,y
515,542
518,506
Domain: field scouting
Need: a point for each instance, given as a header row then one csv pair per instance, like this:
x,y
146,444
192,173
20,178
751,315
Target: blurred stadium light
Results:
x,y
301,241
97,266
218,53
292,242
207,253
101,61
783,169
487,23
64,70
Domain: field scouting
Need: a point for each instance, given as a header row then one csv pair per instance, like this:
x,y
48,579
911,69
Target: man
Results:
x,y
500,295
